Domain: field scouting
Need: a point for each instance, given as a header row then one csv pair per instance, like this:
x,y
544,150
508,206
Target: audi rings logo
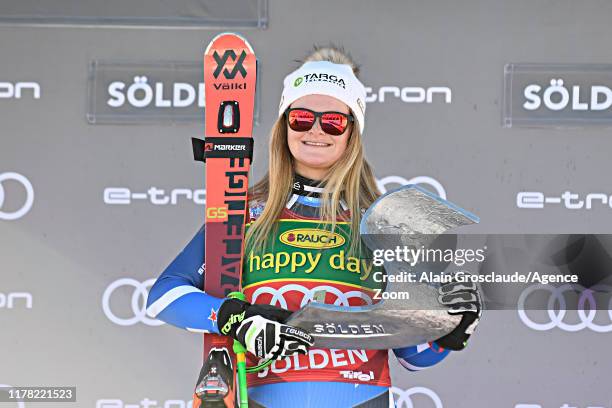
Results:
x,y
6,388
278,295
403,398
557,308
433,185
23,210
138,302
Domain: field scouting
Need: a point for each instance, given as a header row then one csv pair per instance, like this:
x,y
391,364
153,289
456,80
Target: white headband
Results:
x,y
325,78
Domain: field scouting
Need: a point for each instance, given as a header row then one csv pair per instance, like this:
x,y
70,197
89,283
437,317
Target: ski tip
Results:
x,y
246,43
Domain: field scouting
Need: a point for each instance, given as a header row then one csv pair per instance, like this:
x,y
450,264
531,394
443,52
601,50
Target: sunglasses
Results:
x,y
333,123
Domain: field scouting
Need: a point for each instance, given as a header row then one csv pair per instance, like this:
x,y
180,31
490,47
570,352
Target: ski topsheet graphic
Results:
x,y
230,72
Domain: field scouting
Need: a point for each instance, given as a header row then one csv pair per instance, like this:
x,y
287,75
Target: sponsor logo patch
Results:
x,y
311,238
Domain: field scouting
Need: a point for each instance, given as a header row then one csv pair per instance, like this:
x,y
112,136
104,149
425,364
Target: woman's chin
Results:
x,y
316,158
314,164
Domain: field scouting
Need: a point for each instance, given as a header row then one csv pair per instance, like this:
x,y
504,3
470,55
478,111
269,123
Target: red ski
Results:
x,y
230,72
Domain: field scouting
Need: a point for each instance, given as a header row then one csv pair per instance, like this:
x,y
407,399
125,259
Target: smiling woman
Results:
x,y
302,243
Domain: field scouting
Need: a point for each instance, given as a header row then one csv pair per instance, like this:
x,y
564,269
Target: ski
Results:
x,y
230,70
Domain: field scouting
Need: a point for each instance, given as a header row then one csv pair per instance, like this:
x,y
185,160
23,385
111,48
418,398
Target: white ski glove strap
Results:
x,y
268,339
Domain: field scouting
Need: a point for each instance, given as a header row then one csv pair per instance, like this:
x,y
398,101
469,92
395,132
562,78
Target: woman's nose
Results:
x,y
316,127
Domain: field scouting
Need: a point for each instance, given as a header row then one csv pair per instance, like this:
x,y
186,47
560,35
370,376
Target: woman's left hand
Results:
x,y
463,299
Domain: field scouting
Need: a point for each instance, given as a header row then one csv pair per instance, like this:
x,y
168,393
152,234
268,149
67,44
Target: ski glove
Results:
x,y
260,329
462,298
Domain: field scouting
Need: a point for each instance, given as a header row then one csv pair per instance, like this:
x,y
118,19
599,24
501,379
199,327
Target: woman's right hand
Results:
x,y
260,329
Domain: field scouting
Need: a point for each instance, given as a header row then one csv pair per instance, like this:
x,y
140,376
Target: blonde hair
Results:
x,y
350,179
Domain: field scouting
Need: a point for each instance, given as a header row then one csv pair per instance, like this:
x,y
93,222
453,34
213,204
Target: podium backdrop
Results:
x,y
99,191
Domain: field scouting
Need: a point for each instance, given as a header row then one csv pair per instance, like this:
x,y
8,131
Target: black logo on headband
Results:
x,y
238,64
322,77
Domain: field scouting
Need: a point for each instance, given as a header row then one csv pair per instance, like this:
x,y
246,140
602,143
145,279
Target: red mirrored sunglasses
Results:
x,y
333,123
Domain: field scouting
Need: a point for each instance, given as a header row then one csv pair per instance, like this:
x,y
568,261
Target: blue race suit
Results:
x,y
176,298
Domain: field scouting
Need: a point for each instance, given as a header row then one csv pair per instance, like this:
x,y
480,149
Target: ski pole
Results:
x,y
241,371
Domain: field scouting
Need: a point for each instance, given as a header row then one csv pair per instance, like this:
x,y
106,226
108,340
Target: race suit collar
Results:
x,y
303,186
306,192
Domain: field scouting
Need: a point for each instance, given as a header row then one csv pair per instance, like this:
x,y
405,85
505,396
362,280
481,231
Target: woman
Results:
x,y
300,244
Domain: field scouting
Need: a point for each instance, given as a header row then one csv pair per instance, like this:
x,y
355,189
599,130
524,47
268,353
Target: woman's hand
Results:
x,y
260,329
463,299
